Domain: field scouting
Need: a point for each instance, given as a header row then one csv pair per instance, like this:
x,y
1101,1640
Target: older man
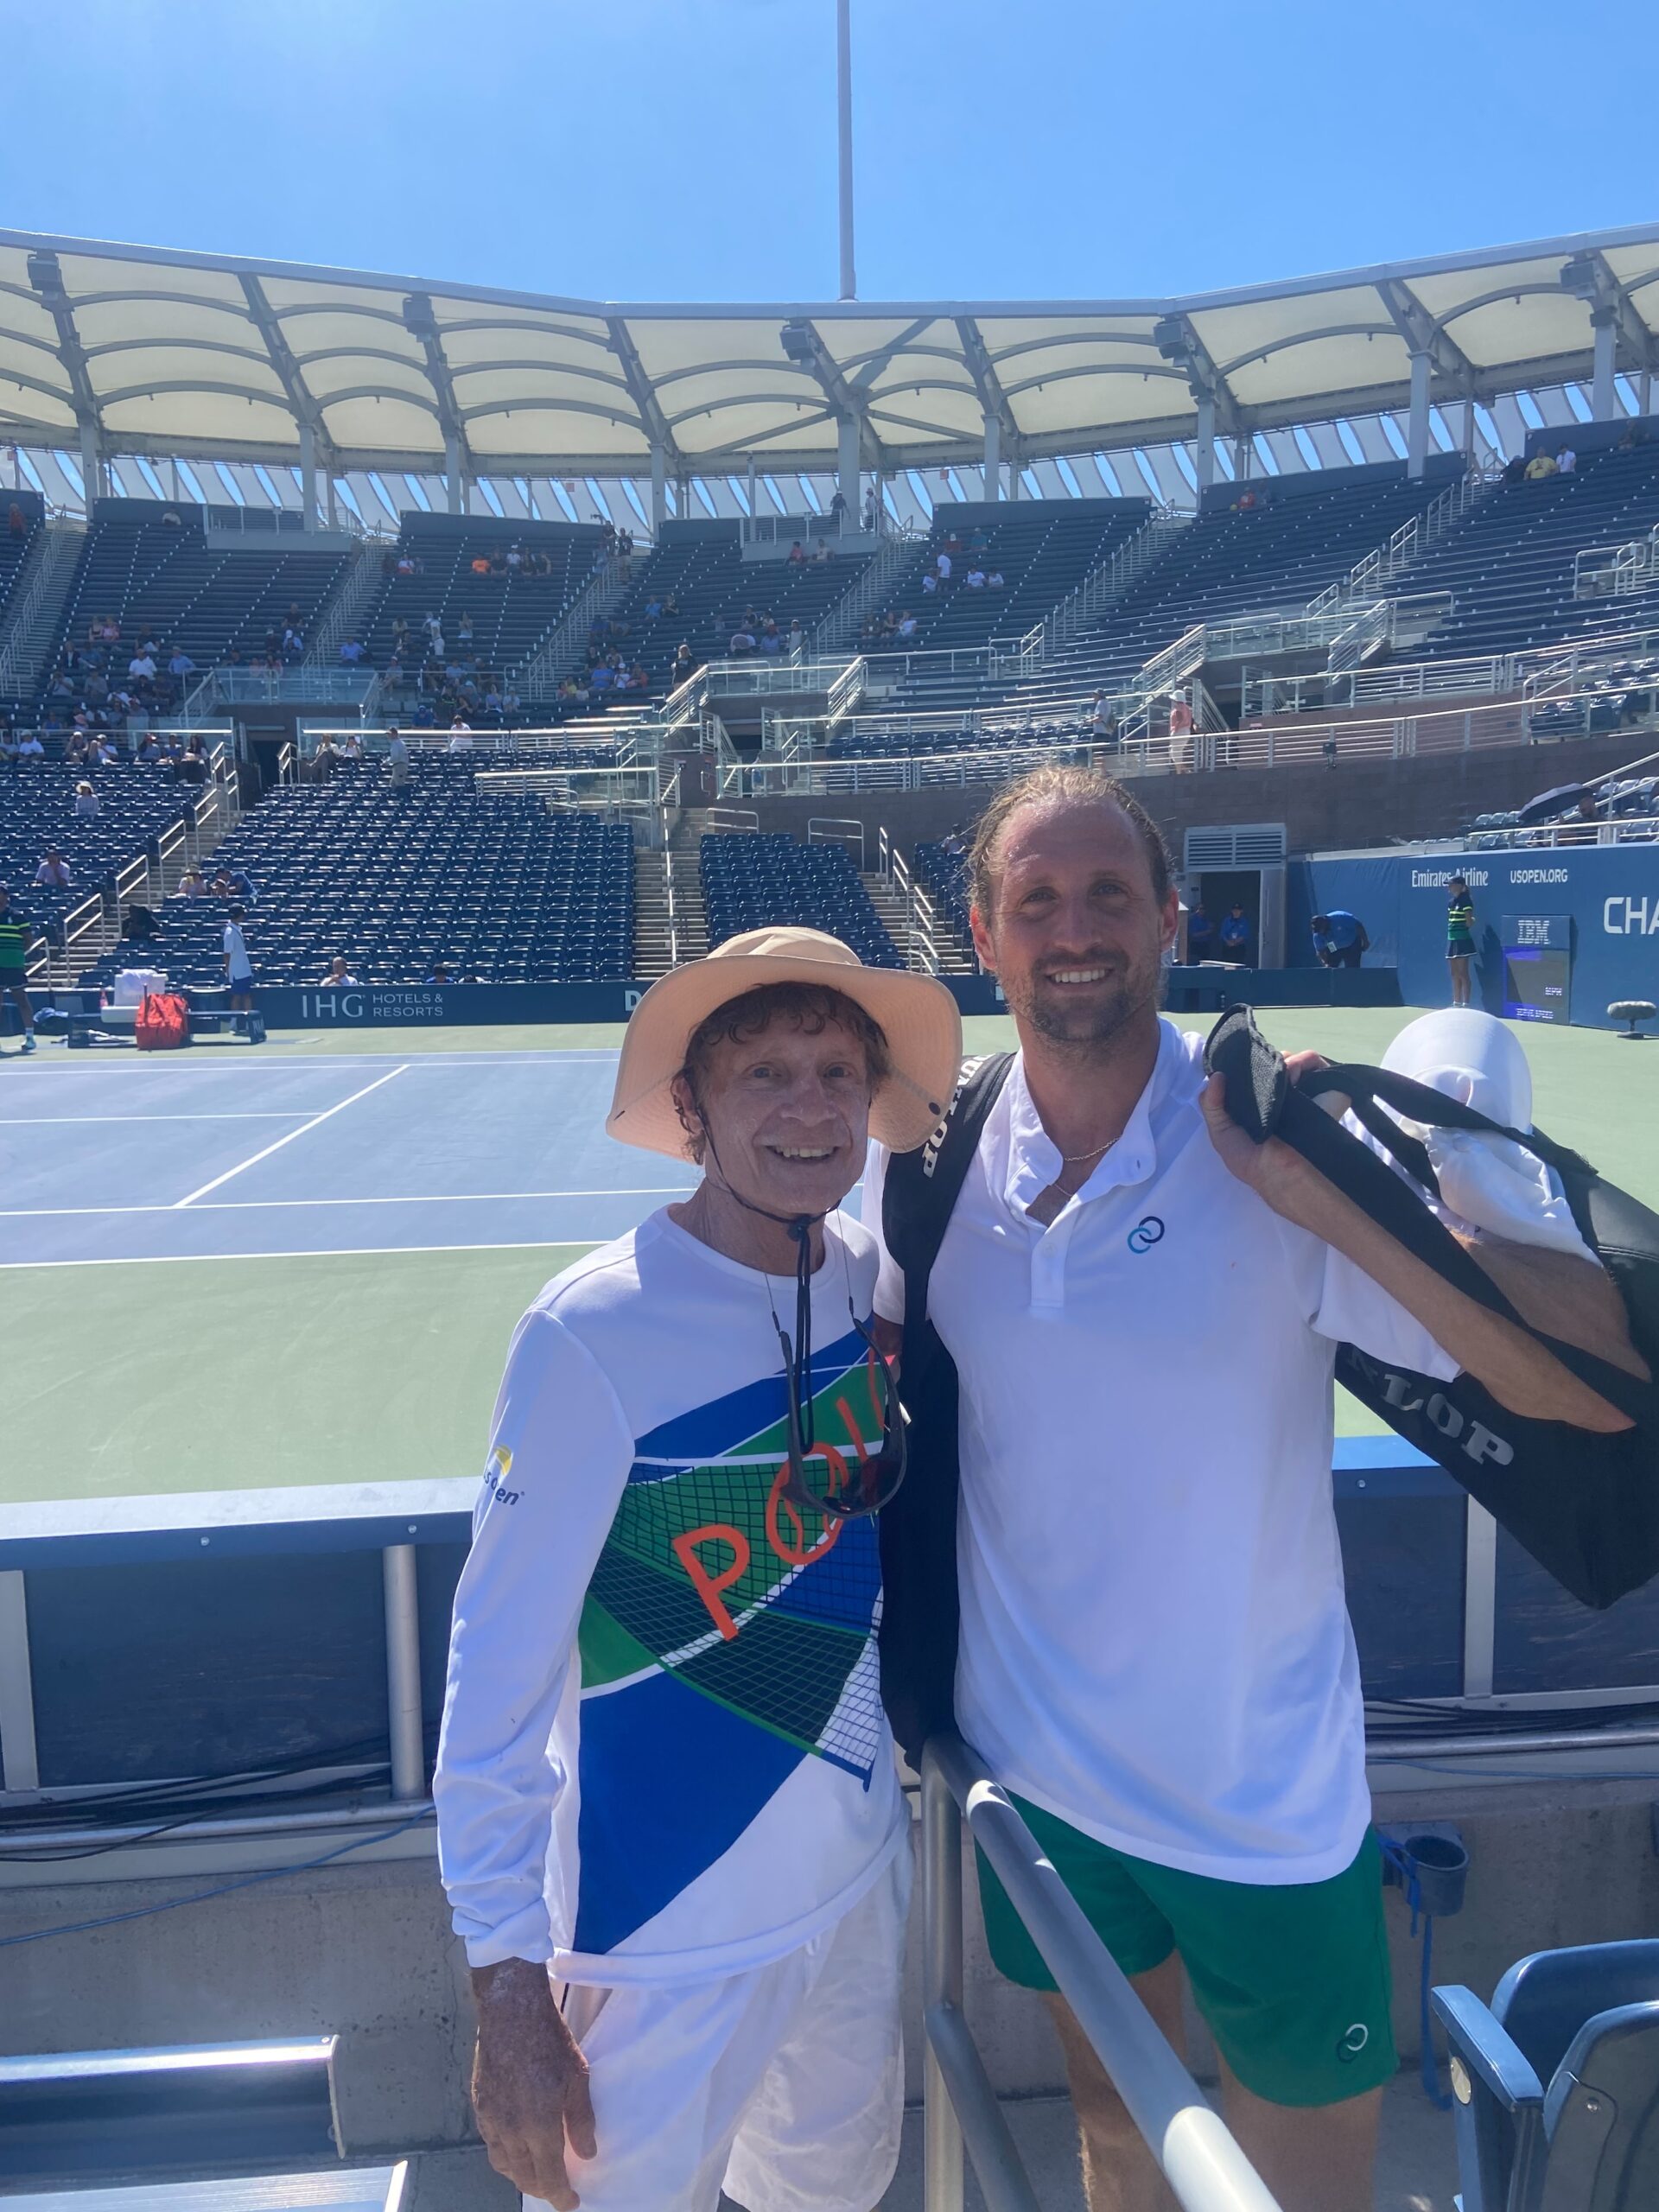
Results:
x,y
664,1778
1142,1308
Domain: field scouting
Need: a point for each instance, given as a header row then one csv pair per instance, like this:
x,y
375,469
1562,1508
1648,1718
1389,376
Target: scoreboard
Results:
x,y
1537,967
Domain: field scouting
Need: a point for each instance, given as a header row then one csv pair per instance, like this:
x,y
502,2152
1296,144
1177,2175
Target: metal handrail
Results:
x,y
1198,2158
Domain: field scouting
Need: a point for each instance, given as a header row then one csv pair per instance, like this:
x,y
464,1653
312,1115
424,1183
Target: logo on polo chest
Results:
x,y
1147,1233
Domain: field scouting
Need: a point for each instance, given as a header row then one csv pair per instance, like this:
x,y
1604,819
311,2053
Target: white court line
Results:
x,y
323,1252
425,1198
101,1120
315,1121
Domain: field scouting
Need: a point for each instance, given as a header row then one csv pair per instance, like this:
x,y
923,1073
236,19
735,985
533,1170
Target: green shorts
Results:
x,y
1293,1978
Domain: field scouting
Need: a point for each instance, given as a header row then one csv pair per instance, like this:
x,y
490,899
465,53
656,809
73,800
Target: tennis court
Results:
x,y
299,1263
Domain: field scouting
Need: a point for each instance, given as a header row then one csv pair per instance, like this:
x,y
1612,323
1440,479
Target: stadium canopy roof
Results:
x,y
163,352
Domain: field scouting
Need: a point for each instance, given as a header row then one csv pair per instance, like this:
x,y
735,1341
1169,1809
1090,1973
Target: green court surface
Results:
x,y
255,1369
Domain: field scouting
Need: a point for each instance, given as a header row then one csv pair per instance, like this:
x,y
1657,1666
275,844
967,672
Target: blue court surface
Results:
x,y
223,1153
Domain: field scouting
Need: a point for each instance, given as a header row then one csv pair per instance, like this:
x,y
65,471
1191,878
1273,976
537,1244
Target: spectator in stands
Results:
x,y
1102,723
1565,461
511,706
685,664
1459,939
742,642
872,511
324,760
192,884
15,932
942,566
995,580
771,639
838,508
242,886
86,806
239,969
1514,469
439,974
1540,466
398,756
638,677
192,765
1234,935
142,666
823,551
55,873
180,665
480,564
352,652
149,752
434,630
293,643
976,578
929,583
906,624
671,604
492,703
1180,732
1339,938
460,736
394,673
340,976
18,521
1200,933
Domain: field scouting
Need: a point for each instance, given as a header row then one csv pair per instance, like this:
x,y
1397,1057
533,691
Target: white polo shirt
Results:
x,y
1154,1641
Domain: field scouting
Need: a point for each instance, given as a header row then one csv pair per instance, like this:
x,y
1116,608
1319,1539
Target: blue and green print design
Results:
x,y
725,1637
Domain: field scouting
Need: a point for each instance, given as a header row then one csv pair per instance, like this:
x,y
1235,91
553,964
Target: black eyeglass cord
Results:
x,y
797,1357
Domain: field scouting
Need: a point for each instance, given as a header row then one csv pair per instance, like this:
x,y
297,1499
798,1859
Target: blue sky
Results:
x,y
684,149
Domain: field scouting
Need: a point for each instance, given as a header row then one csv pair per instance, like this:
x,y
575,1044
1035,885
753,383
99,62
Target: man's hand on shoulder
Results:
x,y
529,2082
1264,1167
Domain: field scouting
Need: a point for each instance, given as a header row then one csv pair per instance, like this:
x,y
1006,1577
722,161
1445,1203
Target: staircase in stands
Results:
x,y
38,601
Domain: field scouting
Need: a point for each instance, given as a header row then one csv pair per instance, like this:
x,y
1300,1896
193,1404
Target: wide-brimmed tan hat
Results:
x,y
917,1015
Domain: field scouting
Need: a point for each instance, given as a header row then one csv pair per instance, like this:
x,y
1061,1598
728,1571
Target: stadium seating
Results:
x,y
1508,563
205,594
1043,553
943,875
397,879
751,879
136,803
510,611
1299,535
705,572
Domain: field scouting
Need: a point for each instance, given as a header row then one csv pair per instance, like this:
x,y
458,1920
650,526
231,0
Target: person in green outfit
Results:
x,y
15,931
1460,938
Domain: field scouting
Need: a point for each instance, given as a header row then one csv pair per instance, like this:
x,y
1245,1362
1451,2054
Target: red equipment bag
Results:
x,y
161,1023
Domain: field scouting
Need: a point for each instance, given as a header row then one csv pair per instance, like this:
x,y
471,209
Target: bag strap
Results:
x,y
1264,1101
922,1187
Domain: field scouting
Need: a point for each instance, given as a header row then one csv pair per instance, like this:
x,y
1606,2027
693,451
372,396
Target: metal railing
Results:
x,y
1199,2158
1611,571
339,620
1098,589
921,922
1369,578
554,652
58,546
841,623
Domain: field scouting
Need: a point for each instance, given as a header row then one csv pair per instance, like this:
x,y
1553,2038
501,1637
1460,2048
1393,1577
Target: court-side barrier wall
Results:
x,y
1588,920
191,1634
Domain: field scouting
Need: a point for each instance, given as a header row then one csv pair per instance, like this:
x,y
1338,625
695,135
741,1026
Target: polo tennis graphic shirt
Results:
x,y
664,1756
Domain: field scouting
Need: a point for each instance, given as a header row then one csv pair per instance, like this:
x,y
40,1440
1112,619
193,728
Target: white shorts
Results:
x,y
784,2085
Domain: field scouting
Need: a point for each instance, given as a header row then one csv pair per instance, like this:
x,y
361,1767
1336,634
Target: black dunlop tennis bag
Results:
x,y
1585,1505
920,1610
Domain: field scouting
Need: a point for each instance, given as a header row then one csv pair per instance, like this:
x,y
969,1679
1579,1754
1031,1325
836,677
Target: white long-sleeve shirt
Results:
x,y
664,1756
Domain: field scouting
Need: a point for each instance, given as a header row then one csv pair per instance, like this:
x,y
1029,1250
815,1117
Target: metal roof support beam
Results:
x,y
993,400
1179,343
658,488
46,276
307,415
1614,325
1432,353
421,325
803,344
643,393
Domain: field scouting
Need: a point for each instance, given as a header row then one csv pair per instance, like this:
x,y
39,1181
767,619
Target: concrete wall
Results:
x,y
1360,803
365,1953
